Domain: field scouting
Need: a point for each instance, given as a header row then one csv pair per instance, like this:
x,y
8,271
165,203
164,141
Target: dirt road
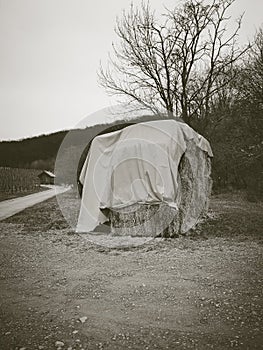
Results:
x,y
12,206
59,291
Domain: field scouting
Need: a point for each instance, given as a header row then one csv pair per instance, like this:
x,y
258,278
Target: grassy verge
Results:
x,y
230,216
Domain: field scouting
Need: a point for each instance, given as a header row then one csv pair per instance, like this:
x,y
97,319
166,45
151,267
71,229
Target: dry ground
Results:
x,y
203,291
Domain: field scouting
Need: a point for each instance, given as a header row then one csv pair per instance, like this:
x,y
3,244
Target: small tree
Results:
x,y
173,66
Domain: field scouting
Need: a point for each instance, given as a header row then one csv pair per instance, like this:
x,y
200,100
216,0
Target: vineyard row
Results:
x,y
13,180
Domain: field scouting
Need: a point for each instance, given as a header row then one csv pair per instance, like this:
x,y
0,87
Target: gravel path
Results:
x,y
12,206
60,291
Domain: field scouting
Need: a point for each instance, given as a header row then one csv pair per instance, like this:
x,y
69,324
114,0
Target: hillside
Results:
x,y
40,152
37,152
236,165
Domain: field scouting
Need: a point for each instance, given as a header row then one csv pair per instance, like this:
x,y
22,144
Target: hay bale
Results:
x,y
153,220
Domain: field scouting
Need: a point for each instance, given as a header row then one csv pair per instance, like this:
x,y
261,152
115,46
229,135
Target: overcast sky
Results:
x,y
50,52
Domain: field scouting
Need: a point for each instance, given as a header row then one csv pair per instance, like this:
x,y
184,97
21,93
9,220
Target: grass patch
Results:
x,y
230,216
5,195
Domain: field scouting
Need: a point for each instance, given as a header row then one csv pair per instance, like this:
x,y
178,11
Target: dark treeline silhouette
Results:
x,y
237,162
36,152
40,152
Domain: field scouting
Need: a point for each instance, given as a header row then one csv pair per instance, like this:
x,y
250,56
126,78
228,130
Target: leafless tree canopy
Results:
x,y
252,71
173,64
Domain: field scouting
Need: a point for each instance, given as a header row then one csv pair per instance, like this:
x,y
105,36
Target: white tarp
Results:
x,y
137,164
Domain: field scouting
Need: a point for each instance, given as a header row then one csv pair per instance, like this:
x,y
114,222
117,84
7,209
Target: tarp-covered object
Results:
x,y
135,165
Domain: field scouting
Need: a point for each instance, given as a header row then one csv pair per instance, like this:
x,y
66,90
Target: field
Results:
x,y
203,291
16,182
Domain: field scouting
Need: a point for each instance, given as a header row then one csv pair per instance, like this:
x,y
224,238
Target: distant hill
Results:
x,y
232,168
40,152
31,152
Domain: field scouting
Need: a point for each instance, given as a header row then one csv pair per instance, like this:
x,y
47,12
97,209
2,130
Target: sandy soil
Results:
x,y
204,291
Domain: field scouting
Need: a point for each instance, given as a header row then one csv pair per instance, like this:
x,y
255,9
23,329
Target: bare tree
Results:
x,y
172,66
251,74
249,84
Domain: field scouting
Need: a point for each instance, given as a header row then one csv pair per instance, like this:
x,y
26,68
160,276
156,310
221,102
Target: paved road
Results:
x,y
12,206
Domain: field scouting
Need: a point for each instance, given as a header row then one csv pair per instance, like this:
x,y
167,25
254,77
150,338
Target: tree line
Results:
x,y
188,64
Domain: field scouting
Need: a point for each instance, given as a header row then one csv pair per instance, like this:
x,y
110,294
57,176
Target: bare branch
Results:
x,y
173,64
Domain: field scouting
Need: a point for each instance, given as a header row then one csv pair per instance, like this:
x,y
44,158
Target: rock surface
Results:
x,y
194,190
